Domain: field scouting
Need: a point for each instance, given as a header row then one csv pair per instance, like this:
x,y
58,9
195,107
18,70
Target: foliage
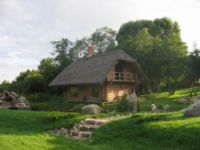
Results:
x,y
48,68
77,108
29,81
103,40
35,97
54,103
5,85
110,106
158,47
122,105
55,116
194,65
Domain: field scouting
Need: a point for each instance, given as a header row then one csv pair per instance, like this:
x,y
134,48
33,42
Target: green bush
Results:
x,y
54,103
110,107
150,96
77,108
123,105
38,97
55,116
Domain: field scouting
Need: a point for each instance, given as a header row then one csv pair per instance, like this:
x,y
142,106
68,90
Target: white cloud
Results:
x,y
27,27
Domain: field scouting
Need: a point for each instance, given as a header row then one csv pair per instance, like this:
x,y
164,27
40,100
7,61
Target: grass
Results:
x,y
163,99
151,132
22,130
159,99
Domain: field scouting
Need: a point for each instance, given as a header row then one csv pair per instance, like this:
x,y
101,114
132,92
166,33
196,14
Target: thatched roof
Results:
x,y
92,70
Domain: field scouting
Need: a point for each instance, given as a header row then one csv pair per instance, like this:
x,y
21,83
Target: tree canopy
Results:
x,y
158,47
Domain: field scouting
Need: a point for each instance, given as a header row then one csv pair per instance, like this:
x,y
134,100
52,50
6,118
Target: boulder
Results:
x,y
20,104
21,99
13,94
196,98
91,109
181,101
153,108
1,102
166,107
192,110
132,102
8,98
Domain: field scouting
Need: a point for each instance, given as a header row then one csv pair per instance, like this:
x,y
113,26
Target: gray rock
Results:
x,y
166,107
63,131
13,94
192,110
132,102
1,102
196,98
21,99
181,101
91,109
153,108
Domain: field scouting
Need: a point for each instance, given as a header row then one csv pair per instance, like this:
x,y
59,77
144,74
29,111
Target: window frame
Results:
x,y
74,91
95,94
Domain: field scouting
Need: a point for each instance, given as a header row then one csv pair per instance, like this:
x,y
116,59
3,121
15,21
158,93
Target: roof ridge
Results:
x,y
100,54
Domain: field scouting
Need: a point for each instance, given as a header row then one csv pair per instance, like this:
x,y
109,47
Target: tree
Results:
x,y
103,40
29,81
5,85
48,68
194,71
158,47
61,52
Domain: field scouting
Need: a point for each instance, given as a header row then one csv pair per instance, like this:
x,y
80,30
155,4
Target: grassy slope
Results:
x,y
22,130
151,132
164,98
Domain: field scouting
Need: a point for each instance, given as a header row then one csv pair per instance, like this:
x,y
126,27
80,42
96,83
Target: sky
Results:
x,y
28,26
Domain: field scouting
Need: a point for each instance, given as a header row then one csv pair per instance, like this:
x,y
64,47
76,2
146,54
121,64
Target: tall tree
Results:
x,y
103,39
158,47
61,52
48,68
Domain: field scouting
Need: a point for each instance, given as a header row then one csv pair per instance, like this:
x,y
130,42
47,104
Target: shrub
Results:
x,y
77,108
55,116
123,105
110,106
38,97
150,96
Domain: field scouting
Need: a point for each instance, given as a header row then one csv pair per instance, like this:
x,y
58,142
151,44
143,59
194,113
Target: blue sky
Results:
x,y
28,26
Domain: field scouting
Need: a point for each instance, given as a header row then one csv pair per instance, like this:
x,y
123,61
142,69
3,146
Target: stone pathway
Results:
x,y
84,129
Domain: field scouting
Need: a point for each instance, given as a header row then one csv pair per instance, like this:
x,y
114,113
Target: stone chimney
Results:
x,y
90,51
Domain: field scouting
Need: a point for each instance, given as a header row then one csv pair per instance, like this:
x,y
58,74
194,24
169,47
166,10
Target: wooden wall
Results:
x,y
116,90
84,91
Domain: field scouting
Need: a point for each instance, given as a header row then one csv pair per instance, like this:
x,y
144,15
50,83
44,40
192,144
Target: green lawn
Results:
x,y
22,130
164,98
151,132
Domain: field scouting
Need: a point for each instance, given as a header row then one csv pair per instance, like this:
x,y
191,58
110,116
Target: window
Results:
x,y
74,91
95,90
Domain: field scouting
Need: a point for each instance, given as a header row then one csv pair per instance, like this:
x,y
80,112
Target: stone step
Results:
x,y
100,122
86,127
85,134
95,121
90,121
74,133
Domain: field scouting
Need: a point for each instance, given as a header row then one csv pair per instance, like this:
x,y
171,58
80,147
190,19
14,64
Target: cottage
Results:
x,y
99,78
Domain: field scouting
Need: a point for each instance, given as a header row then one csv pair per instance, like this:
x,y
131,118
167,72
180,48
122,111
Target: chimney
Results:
x,y
90,51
